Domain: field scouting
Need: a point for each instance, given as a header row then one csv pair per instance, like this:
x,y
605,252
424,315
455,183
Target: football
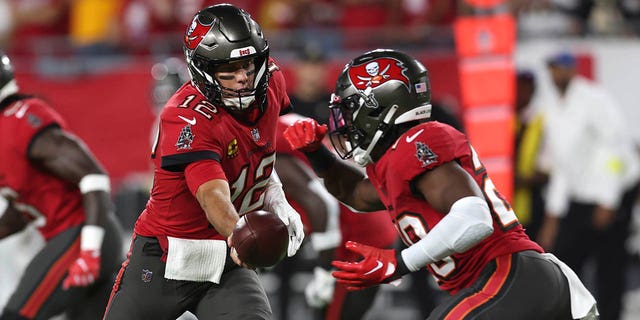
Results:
x,y
260,238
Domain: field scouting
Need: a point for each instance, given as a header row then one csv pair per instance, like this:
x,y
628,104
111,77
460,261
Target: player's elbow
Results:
x,y
472,235
474,221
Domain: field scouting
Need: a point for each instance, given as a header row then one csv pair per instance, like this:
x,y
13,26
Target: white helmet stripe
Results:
x,y
419,113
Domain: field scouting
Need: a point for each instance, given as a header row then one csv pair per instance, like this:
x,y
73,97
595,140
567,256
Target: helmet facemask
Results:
x,y
352,137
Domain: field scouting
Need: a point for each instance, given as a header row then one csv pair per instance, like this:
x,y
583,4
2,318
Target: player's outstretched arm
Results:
x,y
214,197
344,180
68,158
451,190
448,189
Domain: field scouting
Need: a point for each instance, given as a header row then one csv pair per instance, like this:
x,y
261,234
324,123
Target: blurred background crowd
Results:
x,y
144,27
108,67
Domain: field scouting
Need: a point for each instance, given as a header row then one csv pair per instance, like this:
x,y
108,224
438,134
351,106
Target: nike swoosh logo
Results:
x,y
414,136
189,121
376,268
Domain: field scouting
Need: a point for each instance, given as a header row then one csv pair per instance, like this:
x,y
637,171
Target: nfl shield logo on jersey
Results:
x,y
185,139
146,275
255,134
425,155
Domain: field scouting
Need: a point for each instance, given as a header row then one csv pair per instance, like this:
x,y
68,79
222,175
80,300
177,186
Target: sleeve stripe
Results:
x,y
177,162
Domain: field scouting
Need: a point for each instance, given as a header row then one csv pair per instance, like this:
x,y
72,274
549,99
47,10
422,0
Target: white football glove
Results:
x,y
319,291
276,201
294,224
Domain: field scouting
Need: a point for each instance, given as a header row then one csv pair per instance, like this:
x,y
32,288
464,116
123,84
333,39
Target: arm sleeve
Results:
x,y
467,223
197,173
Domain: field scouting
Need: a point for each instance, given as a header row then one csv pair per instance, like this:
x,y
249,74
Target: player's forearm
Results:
x,y
340,177
11,220
97,205
215,199
96,198
220,213
344,181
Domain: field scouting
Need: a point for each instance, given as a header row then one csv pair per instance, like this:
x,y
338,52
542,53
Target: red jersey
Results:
x,y
425,147
54,204
370,228
193,129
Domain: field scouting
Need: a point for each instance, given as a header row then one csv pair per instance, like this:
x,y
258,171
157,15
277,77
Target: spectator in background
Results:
x,y
33,26
593,181
630,11
540,18
310,96
50,179
369,23
530,179
94,27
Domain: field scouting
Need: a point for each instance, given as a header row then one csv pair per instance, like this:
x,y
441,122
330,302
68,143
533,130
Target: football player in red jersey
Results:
x,y
213,160
439,196
329,224
50,179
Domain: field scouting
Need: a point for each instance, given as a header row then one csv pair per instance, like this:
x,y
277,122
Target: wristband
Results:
x,y
321,159
91,238
94,182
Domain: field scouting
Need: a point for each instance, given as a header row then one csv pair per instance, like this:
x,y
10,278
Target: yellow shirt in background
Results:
x,y
94,21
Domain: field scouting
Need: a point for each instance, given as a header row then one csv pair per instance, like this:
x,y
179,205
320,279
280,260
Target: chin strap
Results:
x,y
240,103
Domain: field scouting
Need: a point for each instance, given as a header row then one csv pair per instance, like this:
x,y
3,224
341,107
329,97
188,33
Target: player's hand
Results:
x,y
603,217
84,271
378,266
234,255
305,135
292,220
548,232
319,291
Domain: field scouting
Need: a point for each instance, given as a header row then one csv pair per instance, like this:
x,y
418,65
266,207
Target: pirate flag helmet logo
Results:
x,y
195,34
376,72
